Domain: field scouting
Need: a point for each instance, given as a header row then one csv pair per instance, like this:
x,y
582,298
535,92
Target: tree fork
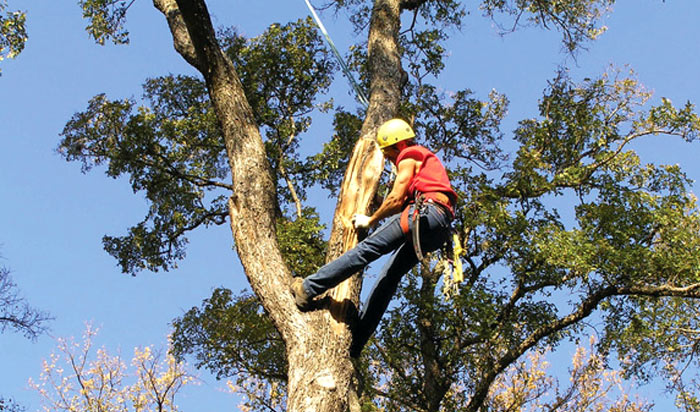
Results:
x,y
320,371
318,377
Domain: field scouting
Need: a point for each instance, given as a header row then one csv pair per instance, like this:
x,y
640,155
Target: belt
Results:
x,y
439,198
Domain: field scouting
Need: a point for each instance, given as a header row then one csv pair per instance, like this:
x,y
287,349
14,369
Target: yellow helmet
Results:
x,y
392,132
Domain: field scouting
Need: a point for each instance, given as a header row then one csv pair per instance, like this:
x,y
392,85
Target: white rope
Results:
x,y
360,95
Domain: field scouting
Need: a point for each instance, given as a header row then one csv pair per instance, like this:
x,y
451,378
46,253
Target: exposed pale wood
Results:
x,y
365,167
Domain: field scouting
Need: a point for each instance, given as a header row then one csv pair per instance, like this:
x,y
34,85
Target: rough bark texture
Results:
x,y
320,371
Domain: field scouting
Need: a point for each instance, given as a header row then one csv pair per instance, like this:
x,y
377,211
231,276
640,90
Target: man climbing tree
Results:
x,y
425,199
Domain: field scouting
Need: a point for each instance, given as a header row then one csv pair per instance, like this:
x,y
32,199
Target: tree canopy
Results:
x,y
200,148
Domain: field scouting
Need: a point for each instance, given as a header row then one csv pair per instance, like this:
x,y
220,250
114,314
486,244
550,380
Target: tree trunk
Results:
x,y
317,342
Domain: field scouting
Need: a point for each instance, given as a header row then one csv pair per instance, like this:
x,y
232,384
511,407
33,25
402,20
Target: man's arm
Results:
x,y
396,198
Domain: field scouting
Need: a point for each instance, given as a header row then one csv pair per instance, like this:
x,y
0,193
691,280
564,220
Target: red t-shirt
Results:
x,y
431,176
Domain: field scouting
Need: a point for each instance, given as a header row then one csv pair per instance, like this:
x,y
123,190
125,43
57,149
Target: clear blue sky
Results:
x,y
52,217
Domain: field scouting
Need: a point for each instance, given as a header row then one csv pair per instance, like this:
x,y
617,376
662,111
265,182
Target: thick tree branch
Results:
x,y
435,382
252,210
181,38
253,205
585,308
365,167
690,291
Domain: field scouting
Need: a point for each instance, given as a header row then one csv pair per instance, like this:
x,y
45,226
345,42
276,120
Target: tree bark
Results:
x,y
317,342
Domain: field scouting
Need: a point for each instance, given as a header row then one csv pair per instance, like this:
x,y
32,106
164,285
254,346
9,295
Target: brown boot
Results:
x,y
300,296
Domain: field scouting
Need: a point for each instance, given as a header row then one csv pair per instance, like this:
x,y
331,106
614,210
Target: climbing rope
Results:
x,y
360,95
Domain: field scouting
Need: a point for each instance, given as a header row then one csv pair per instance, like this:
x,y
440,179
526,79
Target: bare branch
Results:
x,y
283,170
15,313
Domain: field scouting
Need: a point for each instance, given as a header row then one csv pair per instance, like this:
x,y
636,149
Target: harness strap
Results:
x,y
403,221
415,219
416,232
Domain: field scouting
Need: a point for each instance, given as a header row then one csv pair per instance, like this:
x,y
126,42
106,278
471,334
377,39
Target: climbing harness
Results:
x,y
413,216
419,205
360,95
405,222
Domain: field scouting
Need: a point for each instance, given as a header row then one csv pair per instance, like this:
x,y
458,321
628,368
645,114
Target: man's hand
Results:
x,y
360,221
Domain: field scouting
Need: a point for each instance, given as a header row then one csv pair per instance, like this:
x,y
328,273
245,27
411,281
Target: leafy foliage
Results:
x,y
327,167
107,20
173,150
526,386
577,20
631,222
461,127
13,33
233,338
74,379
301,242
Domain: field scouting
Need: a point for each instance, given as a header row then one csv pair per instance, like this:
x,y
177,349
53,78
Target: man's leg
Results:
x,y
383,290
435,229
382,241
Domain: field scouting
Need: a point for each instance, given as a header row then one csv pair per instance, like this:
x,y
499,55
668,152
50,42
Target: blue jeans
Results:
x,y
434,231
